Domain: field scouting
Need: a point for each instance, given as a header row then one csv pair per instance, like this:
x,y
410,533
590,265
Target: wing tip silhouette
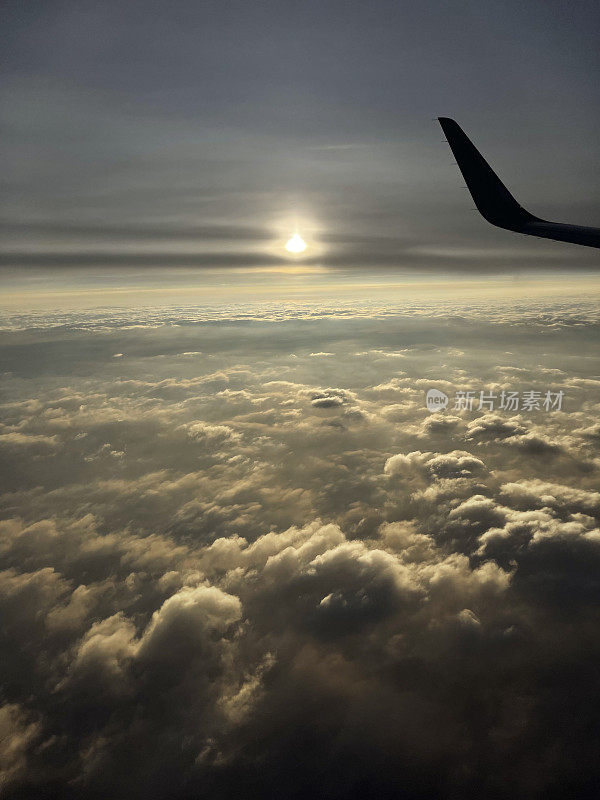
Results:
x,y
496,204
491,196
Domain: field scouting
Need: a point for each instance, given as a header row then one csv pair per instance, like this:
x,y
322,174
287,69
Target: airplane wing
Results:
x,y
497,204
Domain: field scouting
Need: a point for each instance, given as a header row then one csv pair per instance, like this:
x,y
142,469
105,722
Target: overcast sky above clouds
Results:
x,y
202,133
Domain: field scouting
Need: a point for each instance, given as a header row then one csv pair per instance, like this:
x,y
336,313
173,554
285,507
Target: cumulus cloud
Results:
x,y
210,434
456,464
329,398
18,733
492,426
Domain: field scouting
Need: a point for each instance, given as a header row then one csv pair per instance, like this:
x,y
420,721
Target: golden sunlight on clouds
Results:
x,y
78,289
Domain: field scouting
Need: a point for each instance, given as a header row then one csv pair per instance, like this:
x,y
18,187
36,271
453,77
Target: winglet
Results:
x,y
491,196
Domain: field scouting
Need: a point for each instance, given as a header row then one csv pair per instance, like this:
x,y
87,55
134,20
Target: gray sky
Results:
x,y
202,134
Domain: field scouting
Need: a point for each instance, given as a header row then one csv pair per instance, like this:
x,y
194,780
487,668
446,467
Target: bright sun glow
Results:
x,y
296,244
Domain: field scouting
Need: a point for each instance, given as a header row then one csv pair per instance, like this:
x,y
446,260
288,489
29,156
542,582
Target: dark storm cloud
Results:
x,y
155,119
404,257
134,232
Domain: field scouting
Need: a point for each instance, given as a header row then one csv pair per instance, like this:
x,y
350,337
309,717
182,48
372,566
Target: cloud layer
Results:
x,y
242,559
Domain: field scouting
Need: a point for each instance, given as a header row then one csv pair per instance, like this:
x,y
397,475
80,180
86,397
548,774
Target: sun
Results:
x,y
295,244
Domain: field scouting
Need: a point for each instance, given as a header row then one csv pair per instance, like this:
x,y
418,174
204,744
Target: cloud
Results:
x,y
329,398
18,732
16,440
206,583
210,434
534,493
494,427
456,464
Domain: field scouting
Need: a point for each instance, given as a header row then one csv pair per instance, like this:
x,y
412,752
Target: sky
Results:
x,y
241,555
201,135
